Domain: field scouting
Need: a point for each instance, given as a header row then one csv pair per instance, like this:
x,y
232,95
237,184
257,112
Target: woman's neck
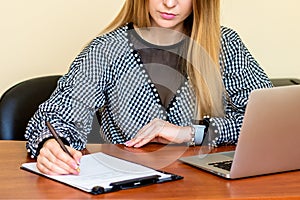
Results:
x,y
159,36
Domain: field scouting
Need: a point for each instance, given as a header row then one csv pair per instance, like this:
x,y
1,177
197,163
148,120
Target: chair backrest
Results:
x,y
285,81
19,103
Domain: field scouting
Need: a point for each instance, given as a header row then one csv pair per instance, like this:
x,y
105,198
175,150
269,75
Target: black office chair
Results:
x,y
285,81
19,103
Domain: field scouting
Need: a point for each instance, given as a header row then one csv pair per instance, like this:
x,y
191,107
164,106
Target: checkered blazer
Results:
x,y
109,74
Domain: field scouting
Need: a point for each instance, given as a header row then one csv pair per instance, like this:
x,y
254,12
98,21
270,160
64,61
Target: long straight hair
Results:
x,y
203,28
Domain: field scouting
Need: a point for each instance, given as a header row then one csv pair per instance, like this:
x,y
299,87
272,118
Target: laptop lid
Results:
x,y
269,138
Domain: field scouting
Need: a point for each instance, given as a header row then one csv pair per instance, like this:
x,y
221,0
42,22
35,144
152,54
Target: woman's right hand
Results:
x,y
52,160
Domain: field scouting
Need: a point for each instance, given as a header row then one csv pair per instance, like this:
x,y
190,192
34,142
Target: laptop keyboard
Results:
x,y
223,165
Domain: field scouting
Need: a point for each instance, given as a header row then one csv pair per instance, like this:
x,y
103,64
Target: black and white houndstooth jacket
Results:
x,y
109,74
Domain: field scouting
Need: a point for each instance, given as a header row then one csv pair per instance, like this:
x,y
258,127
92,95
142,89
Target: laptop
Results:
x,y
269,140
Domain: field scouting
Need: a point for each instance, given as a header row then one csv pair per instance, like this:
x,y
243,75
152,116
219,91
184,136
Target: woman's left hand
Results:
x,y
160,131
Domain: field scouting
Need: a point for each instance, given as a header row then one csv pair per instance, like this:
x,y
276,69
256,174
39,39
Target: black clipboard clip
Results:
x,y
133,183
126,184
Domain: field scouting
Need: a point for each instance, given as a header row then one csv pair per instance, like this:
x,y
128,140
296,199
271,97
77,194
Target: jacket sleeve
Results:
x,y
241,75
71,107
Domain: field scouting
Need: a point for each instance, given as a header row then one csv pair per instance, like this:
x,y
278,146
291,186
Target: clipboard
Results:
x,y
101,173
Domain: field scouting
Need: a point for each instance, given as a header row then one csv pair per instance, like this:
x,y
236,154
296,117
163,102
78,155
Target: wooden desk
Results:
x,y
19,184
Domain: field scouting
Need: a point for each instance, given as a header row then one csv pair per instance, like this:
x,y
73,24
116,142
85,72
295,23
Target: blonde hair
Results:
x,y
204,54
203,27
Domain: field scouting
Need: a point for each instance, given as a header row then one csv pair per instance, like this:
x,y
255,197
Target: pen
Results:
x,y
61,144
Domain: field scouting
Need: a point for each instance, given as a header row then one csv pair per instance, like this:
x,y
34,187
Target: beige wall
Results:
x,y
41,37
271,31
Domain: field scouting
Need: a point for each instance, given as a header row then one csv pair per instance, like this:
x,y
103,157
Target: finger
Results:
x,y
56,156
143,140
46,167
141,135
139,141
64,160
147,134
75,154
50,164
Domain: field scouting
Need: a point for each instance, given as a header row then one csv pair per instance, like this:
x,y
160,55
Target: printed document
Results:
x,y
100,170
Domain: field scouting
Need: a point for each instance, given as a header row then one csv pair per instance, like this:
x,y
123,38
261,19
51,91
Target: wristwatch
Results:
x,y
199,131
211,133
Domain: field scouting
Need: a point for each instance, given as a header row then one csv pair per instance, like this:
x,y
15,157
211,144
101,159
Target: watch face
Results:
x,y
199,133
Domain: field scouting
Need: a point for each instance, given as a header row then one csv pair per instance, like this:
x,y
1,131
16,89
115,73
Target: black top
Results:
x,y
165,65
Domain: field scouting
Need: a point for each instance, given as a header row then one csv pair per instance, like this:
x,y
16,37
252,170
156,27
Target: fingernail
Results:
x,y
78,169
78,162
75,166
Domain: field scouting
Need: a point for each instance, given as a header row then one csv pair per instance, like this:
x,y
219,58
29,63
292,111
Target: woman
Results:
x,y
124,73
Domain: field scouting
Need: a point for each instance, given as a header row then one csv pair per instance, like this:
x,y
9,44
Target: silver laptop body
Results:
x,y
269,140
